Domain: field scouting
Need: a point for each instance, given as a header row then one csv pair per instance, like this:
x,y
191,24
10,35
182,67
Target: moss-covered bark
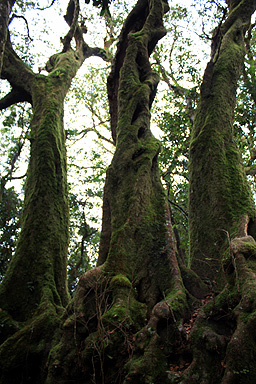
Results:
x,y
5,10
222,339
34,293
132,320
119,325
219,193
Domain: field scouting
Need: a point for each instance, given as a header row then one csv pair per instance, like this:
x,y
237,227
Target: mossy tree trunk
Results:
x,y
5,10
118,326
34,293
220,199
132,320
222,215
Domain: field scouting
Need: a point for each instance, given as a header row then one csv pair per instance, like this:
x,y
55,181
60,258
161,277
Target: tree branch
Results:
x,y
49,6
8,176
77,32
178,90
15,96
179,207
71,18
17,73
94,51
238,10
133,23
14,16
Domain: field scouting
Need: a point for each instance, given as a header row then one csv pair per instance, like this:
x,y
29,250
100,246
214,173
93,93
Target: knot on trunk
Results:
x,y
243,245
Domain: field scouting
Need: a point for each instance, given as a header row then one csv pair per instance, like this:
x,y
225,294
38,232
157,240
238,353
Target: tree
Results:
x,y
114,300
135,317
35,286
216,172
6,7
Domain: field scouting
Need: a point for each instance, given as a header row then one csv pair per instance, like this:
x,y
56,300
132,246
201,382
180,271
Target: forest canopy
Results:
x,y
145,112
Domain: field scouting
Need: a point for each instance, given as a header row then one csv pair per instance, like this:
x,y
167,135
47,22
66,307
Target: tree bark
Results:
x,y
219,193
116,329
5,10
132,319
34,293
222,212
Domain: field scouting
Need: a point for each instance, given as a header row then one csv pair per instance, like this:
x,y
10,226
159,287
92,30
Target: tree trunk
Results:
x,y
221,218
132,320
34,293
118,321
5,10
220,198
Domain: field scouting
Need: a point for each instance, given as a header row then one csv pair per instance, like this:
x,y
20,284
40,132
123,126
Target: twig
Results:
x,y
48,6
233,259
14,16
179,207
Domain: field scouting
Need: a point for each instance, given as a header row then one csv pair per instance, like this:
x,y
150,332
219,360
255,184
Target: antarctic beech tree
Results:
x,y
34,290
222,216
5,10
122,308
221,202
135,318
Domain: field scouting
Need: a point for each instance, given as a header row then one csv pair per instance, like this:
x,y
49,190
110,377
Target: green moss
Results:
x,y
219,192
241,354
28,359
125,308
7,326
146,368
177,301
245,245
119,281
39,265
114,302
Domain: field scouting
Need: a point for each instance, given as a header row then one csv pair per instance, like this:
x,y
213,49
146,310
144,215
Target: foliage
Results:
x,y
10,210
245,111
84,240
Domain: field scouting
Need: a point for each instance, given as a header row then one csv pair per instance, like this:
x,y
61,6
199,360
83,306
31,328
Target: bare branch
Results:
x,y
14,16
71,18
15,96
77,32
80,167
18,73
18,177
4,179
49,6
94,51
178,90
84,132
179,207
